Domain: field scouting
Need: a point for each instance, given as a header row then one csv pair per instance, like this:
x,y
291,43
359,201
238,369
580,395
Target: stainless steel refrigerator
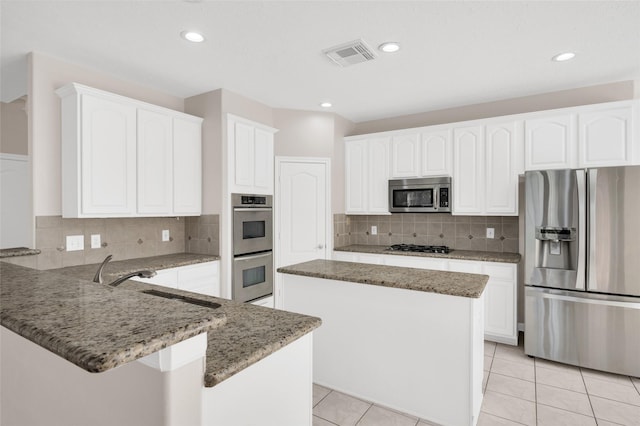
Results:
x,y
582,267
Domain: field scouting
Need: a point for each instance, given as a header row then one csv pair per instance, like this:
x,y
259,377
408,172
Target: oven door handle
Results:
x,y
255,256
252,209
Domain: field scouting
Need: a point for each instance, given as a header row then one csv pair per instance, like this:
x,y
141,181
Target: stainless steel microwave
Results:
x,y
424,195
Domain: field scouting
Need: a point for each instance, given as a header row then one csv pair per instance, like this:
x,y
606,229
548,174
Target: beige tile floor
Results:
x,y
518,390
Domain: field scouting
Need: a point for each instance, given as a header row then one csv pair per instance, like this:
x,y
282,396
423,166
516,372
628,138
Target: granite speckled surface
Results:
x,y
485,256
250,334
116,268
95,326
442,282
17,251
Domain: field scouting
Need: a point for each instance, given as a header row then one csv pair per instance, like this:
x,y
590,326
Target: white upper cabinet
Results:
x,y
501,168
155,163
356,176
187,166
436,152
378,196
119,156
468,169
598,135
606,137
550,142
405,156
366,176
250,153
98,157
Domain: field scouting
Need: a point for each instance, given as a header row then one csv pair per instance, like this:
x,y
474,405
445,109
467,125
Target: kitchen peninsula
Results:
x,y
193,359
409,339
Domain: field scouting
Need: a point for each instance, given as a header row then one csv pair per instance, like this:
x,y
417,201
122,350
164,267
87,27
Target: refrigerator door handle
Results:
x,y
592,279
582,228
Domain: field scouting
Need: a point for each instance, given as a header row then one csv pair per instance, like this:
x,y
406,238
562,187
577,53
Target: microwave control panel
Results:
x,y
444,198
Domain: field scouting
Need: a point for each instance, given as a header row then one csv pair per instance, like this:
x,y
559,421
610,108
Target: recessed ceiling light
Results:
x,y
326,105
192,36
389,47
560,57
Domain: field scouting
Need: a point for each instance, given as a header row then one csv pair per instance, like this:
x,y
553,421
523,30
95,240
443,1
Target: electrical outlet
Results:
x,y
75,242
95,241
491,233
374,230
165,235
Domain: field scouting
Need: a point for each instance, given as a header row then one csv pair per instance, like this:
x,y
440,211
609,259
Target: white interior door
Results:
x,y
303,213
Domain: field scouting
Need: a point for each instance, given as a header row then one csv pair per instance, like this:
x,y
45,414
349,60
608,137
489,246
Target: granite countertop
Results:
x,y
95,326
118,268
442,282
486,256
17,251
250,334
244,335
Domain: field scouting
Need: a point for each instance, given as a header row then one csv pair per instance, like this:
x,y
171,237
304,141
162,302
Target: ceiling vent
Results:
x,y
350,53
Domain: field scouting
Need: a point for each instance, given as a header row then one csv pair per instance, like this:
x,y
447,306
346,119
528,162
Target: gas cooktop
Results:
x,y
419,248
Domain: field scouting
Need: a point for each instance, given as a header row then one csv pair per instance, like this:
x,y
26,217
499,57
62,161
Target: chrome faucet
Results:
x,y
98,277
142,274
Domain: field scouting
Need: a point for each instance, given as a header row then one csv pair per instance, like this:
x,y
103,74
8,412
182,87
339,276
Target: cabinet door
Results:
x,y
436,153
501,184
155,165
108,157
203,278
355,176
468,171
242,147
605,137
550,143
187,167
500,303
378,176
405,151
263,162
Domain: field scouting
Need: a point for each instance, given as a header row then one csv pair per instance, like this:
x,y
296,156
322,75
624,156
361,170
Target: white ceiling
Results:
x,y
453,53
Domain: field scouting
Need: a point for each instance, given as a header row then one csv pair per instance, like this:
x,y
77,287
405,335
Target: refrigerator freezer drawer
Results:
x,y
588,332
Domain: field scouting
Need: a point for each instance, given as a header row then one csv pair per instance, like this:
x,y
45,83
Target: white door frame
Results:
x,y
276,214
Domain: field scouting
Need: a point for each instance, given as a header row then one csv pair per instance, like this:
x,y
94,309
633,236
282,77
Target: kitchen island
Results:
x,y
409,339
159,361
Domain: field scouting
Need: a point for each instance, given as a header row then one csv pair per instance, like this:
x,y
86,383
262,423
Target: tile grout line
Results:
x,y
321,399
586,389
364,414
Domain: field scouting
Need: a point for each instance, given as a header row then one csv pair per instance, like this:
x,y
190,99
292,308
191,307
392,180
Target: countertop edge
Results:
x,y
483,256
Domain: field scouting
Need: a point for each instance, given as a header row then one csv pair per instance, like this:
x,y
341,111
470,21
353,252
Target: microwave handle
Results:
x,y
435,201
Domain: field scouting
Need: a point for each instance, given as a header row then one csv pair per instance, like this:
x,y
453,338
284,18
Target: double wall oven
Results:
x,y
252,247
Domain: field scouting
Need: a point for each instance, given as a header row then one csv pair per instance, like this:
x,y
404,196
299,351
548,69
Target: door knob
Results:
x,y
320,246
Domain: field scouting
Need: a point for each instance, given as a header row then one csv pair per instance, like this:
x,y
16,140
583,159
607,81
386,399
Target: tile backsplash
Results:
x,y
457,232
124,238
203,234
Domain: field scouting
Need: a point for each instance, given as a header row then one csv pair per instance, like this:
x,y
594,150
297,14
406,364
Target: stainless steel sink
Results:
x,y
185,299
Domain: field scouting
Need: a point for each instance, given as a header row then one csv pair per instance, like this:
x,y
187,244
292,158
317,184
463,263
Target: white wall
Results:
x,y
566,98
46,75
13,127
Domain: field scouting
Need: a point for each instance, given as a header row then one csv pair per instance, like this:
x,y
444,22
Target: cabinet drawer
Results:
x,y
500,272
197,276
469,267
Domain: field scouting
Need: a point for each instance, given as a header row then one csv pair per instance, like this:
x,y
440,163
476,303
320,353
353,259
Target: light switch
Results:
x,y
491,233
95,241
165,235
75,242
374,230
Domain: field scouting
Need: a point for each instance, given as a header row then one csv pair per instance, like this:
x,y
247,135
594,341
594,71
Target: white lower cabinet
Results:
x,y
267,302
203,278
500,322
